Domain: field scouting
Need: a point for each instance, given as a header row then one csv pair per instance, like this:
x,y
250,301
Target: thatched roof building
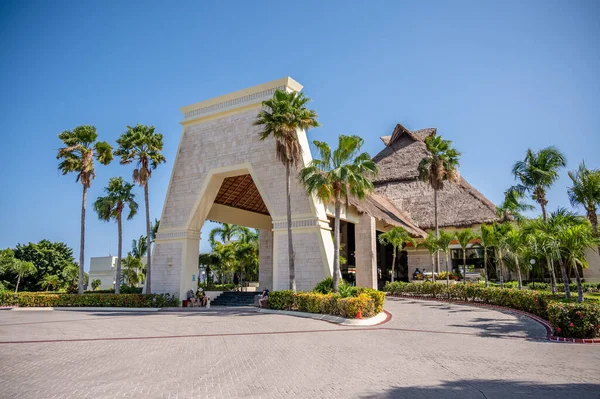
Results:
x,y
381,208
398,181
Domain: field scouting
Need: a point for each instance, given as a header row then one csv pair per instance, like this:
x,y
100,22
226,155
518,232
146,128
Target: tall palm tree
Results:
x,y
464,238
574,240
486,241
514,243
513,206
337,175
282,117
397,237
498,240
226,232
432,245
78,154
440,165
118,196
542,245
537,172
585,191
444,245
558,221
21,269
140,144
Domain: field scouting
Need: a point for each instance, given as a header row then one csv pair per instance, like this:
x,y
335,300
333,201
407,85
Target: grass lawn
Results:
x,y
592,295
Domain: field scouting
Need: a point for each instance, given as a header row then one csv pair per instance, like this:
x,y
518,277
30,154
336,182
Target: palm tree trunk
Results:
x,y
18,281
437,232
288,190
447,276
336,242
578,279
544,215
394,264
464,266
485,275
501,264
148,242
550,263
119,255
565,277
82,241
594,221
518,272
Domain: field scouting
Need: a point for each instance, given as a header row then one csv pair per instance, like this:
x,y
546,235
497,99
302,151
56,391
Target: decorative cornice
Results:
x,y
300,224
177,235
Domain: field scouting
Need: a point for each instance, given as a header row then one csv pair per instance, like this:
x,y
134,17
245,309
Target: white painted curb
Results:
x,y
379,318
86,309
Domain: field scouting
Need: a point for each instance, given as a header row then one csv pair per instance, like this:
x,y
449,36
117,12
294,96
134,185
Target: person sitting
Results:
x,y
264,297
192,301
417,274
201,296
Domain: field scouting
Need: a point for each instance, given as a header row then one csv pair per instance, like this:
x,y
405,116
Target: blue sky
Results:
x,y
494,77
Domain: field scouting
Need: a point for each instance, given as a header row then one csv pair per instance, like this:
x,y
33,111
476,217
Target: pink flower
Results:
x,y
558,329
571,324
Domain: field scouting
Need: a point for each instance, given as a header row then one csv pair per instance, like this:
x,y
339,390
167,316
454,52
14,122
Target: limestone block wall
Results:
x,y
265,260
592,273
366,252
166,267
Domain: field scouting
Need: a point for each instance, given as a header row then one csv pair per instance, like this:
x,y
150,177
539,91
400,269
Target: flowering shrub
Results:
x,y
29,299
368,301
574,320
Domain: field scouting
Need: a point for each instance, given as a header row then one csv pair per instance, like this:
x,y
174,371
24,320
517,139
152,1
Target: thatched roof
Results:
x,y
459,203
381,208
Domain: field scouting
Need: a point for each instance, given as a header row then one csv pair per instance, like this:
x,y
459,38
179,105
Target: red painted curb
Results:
x,y
543,322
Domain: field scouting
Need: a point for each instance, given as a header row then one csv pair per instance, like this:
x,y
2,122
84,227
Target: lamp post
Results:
x,y
532,262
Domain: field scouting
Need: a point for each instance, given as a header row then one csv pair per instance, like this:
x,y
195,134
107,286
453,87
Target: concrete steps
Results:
x,y
231,298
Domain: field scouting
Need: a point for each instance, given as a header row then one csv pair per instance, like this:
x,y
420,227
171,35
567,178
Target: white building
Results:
x,y
104,268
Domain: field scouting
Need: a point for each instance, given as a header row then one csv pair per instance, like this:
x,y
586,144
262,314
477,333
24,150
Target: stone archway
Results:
x,y
219,154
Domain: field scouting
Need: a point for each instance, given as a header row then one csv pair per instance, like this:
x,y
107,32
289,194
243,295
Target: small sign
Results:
x,y
193,277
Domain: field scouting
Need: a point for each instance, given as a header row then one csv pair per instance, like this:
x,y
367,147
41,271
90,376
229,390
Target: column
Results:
x,y
265,260
366,252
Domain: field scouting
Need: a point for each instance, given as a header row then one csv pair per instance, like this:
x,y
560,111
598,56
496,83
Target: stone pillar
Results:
x,y
366,252
265,260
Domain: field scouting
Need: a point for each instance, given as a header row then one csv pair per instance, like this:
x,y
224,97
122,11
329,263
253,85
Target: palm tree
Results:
x,y
440,165
512,206
335,177
560,220
574,240
498,239
50,281
226,232
95,284
514,243
282,117
540,245
486,241
132,270
397,237
246,252
78,156
432,245
585,191
537,172
139,247
444,245
111,206
21,269
140,144
464,237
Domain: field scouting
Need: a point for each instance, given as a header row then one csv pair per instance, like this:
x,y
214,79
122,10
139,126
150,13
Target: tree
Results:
x,y
282,117
486,241
498,239
433,246
464,237
139,247
111,206
140,144
335,177
537,172
574,240
585,191
515,244
558,221
78,154
540,239
439,165
513,206
50,281
70,276
397,237
444,241
95,284
132,270
21,268
226,232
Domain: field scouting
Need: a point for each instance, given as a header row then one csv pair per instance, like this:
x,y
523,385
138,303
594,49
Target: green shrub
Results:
x,y
346,290
29,299
282,300
377,296
325,286
216,287
574,320
539,286
349,307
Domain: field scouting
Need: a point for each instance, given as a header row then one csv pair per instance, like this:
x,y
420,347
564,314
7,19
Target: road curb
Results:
x,y
84,309
378,319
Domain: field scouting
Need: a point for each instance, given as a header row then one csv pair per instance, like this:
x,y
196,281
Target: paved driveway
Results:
x,y
428,349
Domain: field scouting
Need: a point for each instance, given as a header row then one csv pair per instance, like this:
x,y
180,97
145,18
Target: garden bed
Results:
x,y
41,299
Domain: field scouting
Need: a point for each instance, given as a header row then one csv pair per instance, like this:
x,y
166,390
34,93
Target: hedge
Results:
x,y
368,301
41,299
569,319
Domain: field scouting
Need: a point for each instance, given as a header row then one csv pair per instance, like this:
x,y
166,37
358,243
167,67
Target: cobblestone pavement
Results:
x,y
428,349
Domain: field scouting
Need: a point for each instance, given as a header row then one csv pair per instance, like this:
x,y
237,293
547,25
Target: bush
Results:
x,y
325,286
574,320
29,299
216,287
282,300
377,296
